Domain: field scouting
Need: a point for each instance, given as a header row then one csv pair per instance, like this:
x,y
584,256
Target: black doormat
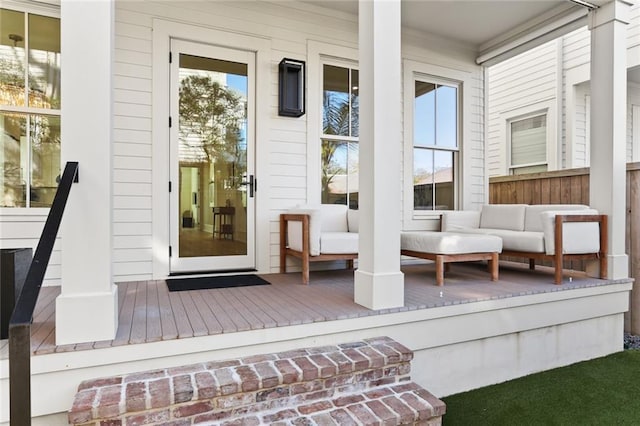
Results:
x,y
204,283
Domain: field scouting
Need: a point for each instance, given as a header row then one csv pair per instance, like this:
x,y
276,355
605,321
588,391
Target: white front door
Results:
x,y
212,158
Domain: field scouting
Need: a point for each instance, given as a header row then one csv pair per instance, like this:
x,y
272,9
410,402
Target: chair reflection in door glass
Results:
x,y
223,222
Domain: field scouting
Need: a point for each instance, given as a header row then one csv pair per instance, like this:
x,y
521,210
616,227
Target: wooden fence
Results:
x,y
571,186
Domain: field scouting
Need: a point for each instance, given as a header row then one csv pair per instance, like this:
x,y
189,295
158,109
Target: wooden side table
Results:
x,y
223,222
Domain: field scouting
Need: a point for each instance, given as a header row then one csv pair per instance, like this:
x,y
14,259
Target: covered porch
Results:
x,y
468,333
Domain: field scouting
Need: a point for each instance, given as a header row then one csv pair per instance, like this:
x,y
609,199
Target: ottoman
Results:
x,y
444,247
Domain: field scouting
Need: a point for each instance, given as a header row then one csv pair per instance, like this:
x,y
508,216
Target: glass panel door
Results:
x,y
212,206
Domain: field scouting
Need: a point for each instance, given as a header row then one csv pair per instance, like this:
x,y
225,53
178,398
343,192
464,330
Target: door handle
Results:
x,y
252,183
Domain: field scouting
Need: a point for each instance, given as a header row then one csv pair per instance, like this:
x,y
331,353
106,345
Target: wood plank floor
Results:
x,y
149,312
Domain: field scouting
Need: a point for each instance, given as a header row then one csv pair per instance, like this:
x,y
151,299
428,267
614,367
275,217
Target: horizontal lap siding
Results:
x,y
515,83
132,146
289,27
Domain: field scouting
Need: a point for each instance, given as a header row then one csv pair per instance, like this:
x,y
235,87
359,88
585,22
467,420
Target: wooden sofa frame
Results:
x,y
558,258
304,255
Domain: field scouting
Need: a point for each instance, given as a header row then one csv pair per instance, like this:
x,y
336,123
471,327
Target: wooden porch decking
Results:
x,y
149,312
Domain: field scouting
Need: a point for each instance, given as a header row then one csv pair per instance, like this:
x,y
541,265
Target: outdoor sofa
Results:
x,y
320,232
554,232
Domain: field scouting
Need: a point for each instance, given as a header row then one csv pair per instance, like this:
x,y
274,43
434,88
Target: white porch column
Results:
x,y
87,308
608,125
379,284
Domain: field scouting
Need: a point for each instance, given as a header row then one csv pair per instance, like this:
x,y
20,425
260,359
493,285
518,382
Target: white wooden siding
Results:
x,y
526,79
518,82
289,27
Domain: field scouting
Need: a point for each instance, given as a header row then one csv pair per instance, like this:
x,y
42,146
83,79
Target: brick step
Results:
x,y
357,381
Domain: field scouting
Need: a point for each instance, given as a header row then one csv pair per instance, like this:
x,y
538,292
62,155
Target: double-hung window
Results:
x,y
29,108
435,144
528,144
339,140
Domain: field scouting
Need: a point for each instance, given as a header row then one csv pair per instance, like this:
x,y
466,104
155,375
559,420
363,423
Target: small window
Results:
x,y
529,145
435,145
29,109
339,144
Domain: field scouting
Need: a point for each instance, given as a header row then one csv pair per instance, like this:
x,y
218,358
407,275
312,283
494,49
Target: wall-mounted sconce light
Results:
x,y
291,77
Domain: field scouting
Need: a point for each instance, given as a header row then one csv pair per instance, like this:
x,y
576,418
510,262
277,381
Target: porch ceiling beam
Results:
x,y
551,26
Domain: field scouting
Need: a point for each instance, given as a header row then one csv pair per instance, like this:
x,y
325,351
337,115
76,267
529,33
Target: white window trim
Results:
x,y
320,54
41,7
543,107
420,219
51,10
509,141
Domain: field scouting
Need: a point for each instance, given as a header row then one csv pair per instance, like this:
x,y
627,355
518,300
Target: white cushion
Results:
x,y
294,229
518,240
459,219
503,216
334,218
577,237
449,242
353,221
338,242
532,221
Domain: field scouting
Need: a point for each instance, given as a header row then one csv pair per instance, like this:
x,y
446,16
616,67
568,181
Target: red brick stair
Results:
x,y
359,383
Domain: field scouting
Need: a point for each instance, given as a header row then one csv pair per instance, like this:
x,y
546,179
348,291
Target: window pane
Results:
x,y
14,157
424,129
529,141
334,172
433,181
12,58
355,103
443,179
352,174
422,179
446,117
335,101
45,159
44,62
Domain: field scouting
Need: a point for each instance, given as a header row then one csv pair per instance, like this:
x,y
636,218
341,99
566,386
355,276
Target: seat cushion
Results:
x,y
338,242
503,216
449,242
518,240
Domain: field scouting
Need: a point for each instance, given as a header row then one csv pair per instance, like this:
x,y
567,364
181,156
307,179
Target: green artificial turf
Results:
x,y
603,391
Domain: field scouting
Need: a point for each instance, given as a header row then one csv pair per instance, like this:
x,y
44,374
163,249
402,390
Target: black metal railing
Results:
x,y
20,324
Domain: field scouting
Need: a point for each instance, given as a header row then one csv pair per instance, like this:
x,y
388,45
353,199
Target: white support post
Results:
x,y
608,125
379,284
87,308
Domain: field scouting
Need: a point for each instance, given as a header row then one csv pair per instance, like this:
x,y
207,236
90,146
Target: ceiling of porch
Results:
x,y
479,24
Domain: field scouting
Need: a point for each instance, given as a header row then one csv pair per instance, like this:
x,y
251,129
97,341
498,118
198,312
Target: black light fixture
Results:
x,y
291,102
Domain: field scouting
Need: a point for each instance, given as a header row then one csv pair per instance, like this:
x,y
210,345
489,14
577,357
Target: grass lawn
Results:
x,y
603,391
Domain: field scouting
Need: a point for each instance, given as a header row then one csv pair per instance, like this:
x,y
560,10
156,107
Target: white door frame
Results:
x,y
177,263
163,31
